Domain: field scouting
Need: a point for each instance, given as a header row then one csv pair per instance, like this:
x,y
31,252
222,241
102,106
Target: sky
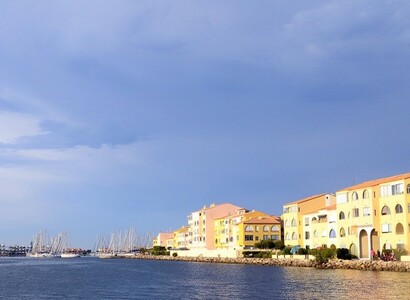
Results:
x,y
136,113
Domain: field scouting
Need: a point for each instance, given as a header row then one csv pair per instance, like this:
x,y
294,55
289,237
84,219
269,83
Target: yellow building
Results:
x,y
319,228
246,228
293,216
259,228
227,232
180,240
374,215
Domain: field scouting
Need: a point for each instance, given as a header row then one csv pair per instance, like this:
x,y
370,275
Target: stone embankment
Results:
x,y
364,265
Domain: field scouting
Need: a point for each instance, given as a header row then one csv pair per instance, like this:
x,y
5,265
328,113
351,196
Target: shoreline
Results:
x,y
363,265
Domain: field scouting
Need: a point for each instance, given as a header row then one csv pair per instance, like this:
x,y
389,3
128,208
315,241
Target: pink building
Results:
x,y
201,233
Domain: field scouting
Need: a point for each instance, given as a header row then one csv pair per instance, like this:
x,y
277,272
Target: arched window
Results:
x,y
323,233
293,222
315,234
342,232
274,228
287,236
314,219
385,210
365,194
332,233
248,228
341,215
265,228
408,189
287,223
355,196
398,209
399,228
294,236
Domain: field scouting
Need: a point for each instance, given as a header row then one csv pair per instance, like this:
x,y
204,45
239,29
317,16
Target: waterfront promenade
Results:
x,y
364,265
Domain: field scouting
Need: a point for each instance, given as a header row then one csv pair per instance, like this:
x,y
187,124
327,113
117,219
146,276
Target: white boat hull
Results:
x,y
69,255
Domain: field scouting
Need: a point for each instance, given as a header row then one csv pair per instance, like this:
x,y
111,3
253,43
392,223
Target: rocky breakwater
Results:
x,y
364,265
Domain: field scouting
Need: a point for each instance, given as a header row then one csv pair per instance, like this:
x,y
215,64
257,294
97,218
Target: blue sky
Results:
x,y
120,113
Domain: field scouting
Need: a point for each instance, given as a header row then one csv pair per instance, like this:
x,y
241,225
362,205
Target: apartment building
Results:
x,y
201,231
181,238
295,225
164,239
375,215
229,229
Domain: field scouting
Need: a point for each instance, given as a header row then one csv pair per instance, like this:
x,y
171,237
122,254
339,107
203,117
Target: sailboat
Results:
x,y
66,252
40,247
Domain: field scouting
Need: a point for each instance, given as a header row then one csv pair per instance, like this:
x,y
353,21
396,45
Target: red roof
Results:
x,y
376,182
263,220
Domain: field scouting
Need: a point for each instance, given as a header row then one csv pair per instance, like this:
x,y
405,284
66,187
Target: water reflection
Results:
x,y
144,279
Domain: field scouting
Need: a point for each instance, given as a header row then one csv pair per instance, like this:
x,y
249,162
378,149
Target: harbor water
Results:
x,y
93,278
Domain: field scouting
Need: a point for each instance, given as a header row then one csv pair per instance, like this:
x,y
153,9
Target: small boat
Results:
x,y
69,255
40,255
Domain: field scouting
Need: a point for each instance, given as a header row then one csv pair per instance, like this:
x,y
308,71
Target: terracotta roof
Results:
x,y
331,207
263,220
376,182
305,199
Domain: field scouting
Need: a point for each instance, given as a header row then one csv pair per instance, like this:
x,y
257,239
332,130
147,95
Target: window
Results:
x,y
274,228
293,222
408,189
315,234
385,210
287,223
365,194
287,236
265,237
265,228
355,212
248,229
394,189
342,232
294,236
306,221
257,228
397,189
355,196
307,235
274,237
398,209
248,237
341,215
314,219
256,238
386,228
399,228
366,211
323,233
332,233
408,208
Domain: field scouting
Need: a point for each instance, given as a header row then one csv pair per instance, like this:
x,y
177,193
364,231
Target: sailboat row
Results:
x,y
42,247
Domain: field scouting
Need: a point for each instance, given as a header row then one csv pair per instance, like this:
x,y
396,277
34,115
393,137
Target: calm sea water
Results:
x,y
93,278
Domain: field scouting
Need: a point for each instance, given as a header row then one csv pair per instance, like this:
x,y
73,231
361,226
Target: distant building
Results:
x,y
164,239
245,228
180,240
201,233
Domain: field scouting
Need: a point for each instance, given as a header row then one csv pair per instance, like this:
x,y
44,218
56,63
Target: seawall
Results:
x,y
364,265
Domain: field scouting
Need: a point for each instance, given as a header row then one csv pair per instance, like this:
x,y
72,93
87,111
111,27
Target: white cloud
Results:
x,y
15,126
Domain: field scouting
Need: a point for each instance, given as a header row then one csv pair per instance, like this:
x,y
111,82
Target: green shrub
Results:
x,y
343,253
287,249
322,255
302,251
